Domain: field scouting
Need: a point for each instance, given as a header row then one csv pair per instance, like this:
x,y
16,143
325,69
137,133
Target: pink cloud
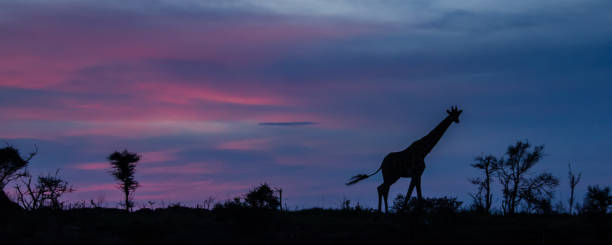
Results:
x,y
125,129
158,156
246,144
183,94
70,44
106,84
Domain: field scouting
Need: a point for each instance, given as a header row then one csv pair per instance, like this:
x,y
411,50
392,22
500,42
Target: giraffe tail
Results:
x,y
361,177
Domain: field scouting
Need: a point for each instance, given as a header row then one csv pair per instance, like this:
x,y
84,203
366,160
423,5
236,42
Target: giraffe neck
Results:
x,y
430,140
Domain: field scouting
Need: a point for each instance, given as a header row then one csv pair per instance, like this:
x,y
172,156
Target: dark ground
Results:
x,y
180,225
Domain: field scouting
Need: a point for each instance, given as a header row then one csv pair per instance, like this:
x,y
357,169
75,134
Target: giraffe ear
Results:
x,y
447,111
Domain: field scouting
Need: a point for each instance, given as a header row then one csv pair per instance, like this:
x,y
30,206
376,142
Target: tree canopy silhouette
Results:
x,y
11,162
262,197
124,167
518,186
12,167
483,197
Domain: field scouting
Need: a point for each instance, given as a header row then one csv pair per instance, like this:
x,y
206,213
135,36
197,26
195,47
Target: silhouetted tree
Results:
x,y
538,192
573,181
517,186
262,197
45,193
12,167
124,167
27,196
483,197
597,200
280,198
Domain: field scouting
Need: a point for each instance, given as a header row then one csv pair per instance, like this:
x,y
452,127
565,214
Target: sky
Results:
x,y
219,96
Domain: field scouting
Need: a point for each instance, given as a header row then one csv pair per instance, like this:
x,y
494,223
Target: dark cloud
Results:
x,y
286,123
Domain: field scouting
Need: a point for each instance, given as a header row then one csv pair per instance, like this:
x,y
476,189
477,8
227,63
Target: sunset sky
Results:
x,y
219,96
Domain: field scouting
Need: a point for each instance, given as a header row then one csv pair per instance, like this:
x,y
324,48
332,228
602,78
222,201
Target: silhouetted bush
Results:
x,y
44,193
539,205
442,205
345,206
235,203
262,197
597,200
177,207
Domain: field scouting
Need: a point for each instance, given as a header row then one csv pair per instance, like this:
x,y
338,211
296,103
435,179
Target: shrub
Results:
x,y
46,192
262,197
597,200
442,205
235,203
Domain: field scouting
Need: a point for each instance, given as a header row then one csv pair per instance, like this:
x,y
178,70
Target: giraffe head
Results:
x,y
454,113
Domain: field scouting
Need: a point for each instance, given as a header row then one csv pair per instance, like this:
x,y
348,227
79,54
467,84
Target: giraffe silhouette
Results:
x,y
409,163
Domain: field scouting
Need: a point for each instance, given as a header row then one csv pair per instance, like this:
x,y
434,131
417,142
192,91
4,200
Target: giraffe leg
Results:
x,y
380,195
419,195
418,188
409,193
386,196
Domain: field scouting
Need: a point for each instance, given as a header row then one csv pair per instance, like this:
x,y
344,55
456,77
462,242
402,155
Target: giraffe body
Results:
x,y
409,163
403,164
